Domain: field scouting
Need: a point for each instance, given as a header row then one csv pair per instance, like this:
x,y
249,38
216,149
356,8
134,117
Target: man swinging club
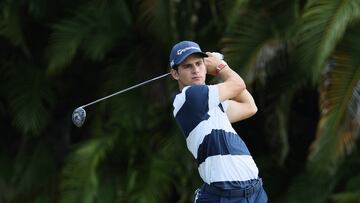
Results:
x,y
204,114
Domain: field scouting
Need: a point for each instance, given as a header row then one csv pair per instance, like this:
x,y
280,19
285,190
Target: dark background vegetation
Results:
x,y
299,58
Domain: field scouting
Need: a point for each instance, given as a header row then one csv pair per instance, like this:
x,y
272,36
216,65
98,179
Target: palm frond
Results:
x,y
163,169
257,34
149,162
242,45
29,98
337,129
108,187
66,40
10,25
347,197
276,128
352,120
90,31
159,14
318,186
6,189
234,9
79,181
351,192
38,8
321,27
34,171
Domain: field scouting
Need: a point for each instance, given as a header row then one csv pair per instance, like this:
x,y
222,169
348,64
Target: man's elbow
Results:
x,y
253,110
240,86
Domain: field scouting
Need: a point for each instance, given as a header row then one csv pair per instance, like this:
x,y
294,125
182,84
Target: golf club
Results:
x,y
79,114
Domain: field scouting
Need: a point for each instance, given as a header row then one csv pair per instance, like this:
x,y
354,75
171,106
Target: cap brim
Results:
x,y
188,54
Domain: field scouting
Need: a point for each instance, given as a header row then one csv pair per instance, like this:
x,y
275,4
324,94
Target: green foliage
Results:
x,y
30,98
248,39
298,58
338,127
93,31
11,25
153,13
322,26
33,171
348,190
79,178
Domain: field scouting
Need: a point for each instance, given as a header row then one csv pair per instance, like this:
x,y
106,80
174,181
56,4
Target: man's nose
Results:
x,y
196,69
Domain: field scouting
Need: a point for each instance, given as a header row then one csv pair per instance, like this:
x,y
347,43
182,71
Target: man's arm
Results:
x,y
232,84
241,103
241,107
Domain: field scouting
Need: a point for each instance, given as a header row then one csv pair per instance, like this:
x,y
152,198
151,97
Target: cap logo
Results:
x,y
180,51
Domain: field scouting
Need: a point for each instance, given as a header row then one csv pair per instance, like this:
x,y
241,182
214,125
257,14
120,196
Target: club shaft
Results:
x,y
125,90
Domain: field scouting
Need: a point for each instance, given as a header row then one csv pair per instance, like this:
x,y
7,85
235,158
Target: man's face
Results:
x,y
191,71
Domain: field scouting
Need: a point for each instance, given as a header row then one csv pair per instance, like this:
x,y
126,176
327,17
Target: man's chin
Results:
x,y
198,83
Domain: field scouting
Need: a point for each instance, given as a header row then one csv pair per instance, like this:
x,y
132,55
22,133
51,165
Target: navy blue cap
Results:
x,y
182,50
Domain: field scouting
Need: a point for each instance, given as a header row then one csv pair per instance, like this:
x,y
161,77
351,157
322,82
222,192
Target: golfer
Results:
x,y
204,114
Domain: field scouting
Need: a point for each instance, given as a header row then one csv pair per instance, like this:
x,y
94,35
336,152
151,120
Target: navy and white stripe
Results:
x,y
222,156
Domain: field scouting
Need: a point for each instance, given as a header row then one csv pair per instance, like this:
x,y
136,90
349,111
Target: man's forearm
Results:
x,y
228,74
232,84
245,97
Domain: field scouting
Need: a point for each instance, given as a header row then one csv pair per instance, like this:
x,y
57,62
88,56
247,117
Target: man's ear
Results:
x,y
174,74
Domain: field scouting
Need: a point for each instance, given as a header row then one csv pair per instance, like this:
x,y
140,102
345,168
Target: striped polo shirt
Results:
x,y
222,157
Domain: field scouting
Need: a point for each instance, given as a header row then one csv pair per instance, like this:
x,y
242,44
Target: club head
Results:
x,y
79,116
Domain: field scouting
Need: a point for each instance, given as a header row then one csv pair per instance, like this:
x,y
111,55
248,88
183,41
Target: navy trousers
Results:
x,y
205,195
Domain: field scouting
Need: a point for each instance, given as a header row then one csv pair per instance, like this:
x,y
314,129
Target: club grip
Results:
x,y
218,55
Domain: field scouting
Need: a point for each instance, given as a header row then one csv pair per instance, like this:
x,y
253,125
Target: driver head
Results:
x,y
78,116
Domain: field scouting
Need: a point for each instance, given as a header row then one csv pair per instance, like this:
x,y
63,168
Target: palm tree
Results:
x,y
56,56
314,46
124,153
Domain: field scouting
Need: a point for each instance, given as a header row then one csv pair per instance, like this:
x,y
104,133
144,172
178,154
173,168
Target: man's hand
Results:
x,y
233,89
212,62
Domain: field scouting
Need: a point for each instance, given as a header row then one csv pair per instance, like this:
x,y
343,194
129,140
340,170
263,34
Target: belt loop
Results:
x,y
248,193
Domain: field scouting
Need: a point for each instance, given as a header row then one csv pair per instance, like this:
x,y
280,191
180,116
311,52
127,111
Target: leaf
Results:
x,y
10,25
334,137
233,9
90,31
348,187
318,186
159,170
242,45
34,172
159,14
321,28
79,182
257,34
30,98
337,129
347,197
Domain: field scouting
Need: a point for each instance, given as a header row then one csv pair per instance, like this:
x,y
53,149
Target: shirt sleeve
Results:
x,y
214,99
225,105
203,97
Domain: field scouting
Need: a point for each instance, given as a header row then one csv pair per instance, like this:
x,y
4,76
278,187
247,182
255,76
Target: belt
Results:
x,y
244,192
